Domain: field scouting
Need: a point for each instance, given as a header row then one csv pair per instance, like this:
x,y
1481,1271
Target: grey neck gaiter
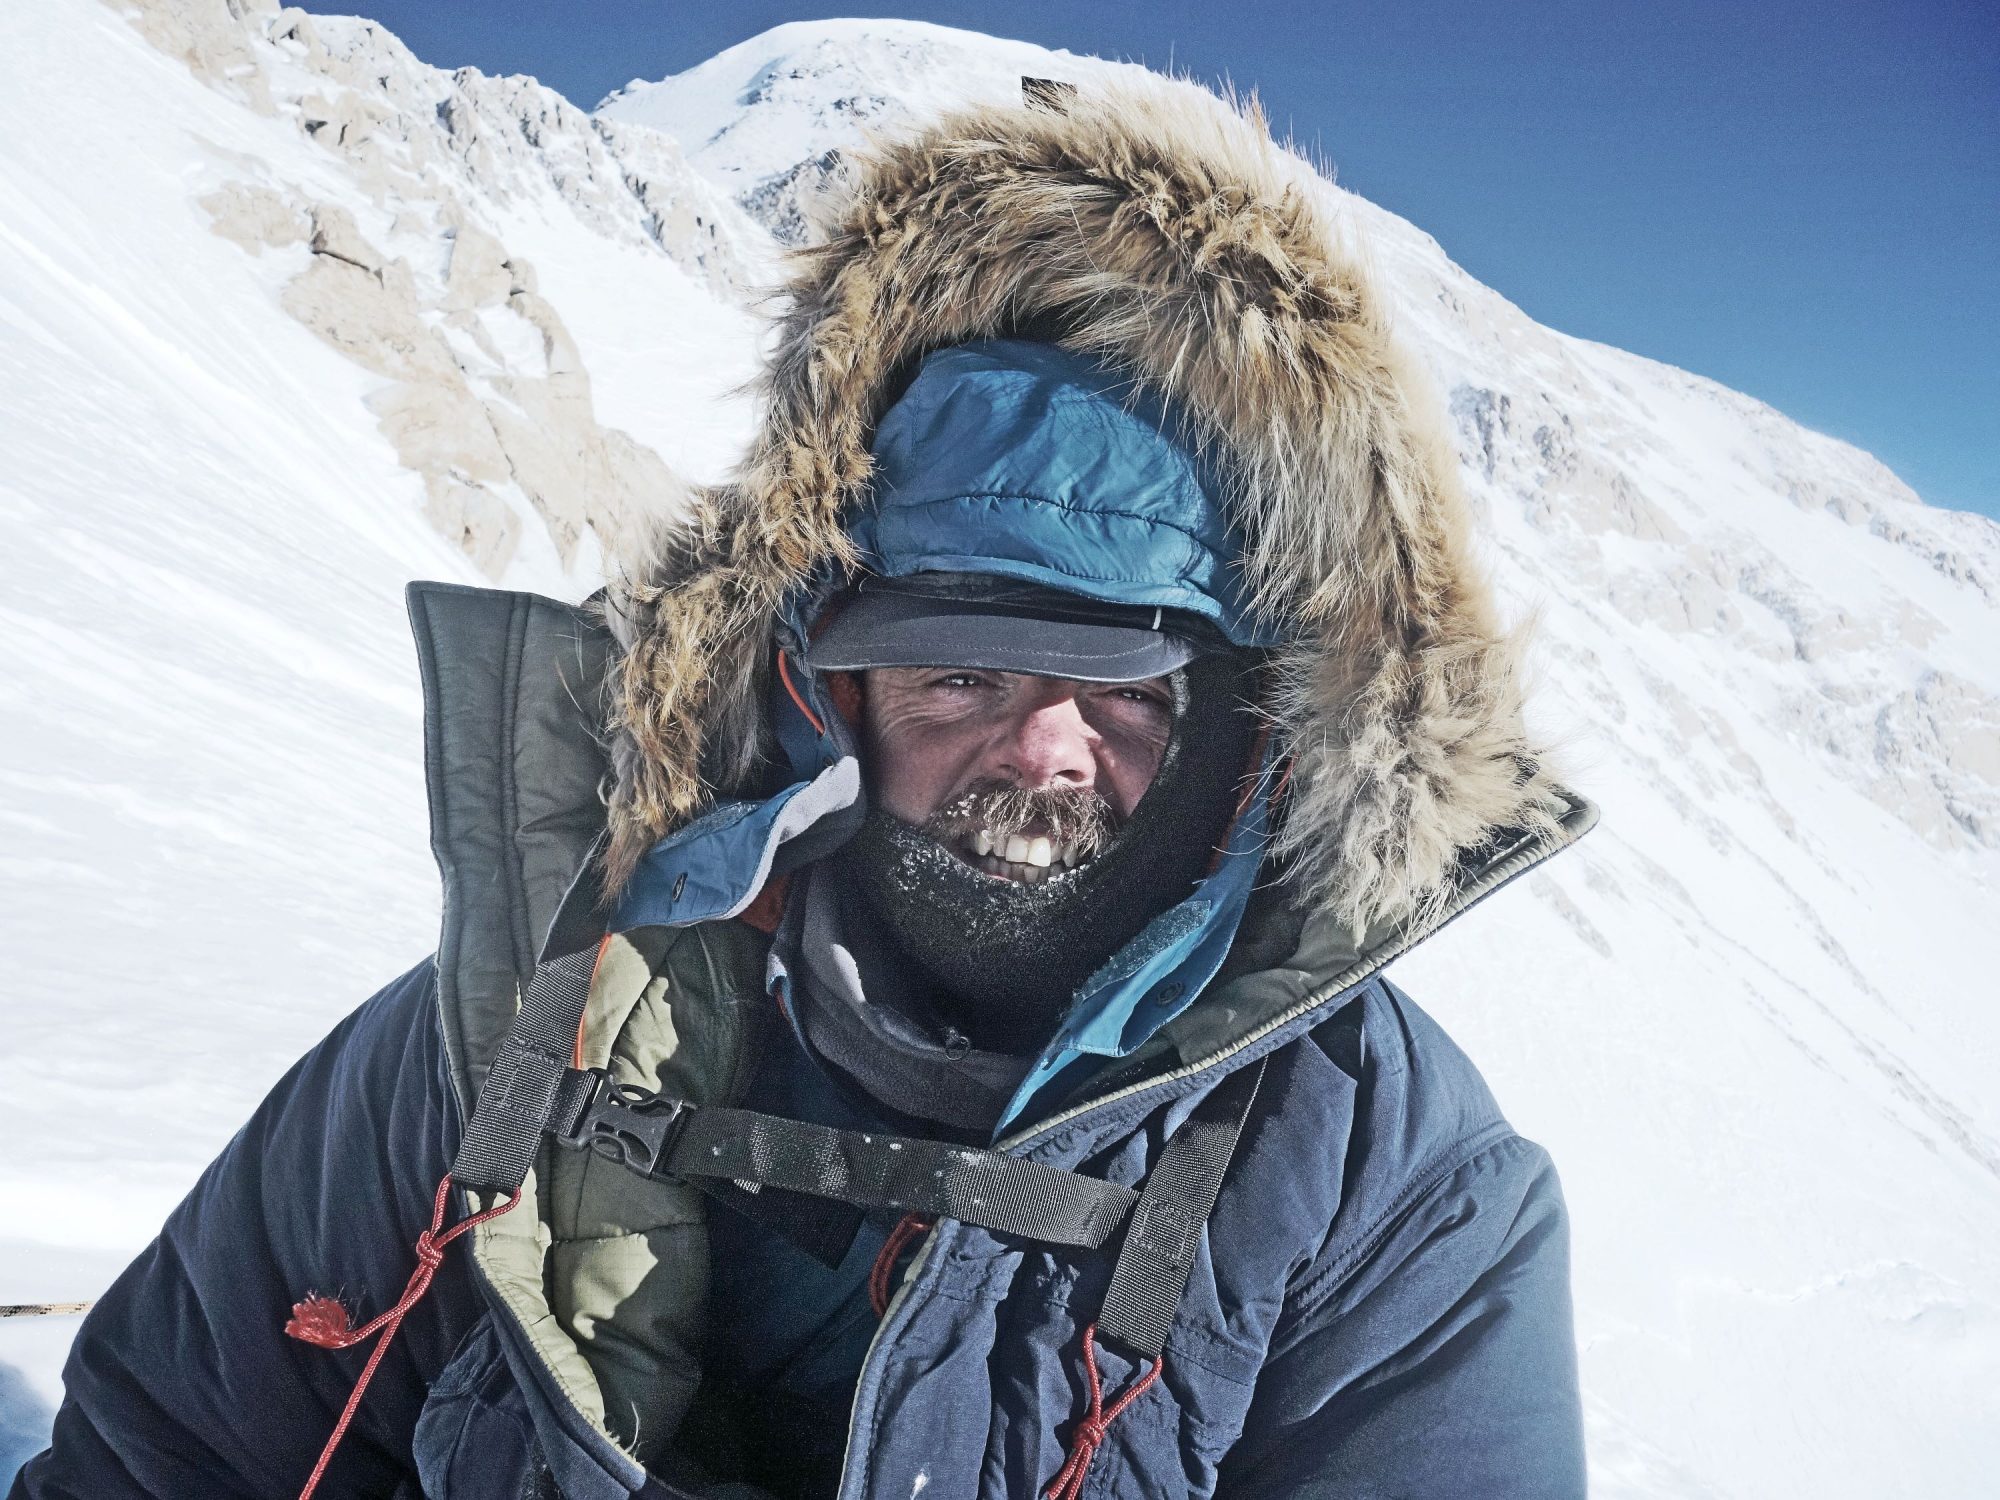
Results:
x,y
1004,959
868,1013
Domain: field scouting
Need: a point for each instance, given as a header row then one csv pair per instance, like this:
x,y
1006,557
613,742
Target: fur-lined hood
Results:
x,y
1160,231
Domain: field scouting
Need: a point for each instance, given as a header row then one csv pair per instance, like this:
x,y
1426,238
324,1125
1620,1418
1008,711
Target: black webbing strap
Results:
x,y
659,1137
933,1178
532,1089
526,1084
1158,1255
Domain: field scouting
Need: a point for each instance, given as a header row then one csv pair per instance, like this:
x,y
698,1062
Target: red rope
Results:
x,y
879,1275
323,1321
1090,1432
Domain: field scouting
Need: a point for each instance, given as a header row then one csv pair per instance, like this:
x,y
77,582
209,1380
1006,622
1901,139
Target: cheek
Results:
x,y
901,788
1127,764
1126,782
913,768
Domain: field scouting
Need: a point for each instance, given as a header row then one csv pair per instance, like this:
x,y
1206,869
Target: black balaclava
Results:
x,y
1004,958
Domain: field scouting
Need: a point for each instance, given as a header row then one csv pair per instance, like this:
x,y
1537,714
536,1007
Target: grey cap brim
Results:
x,y
889,629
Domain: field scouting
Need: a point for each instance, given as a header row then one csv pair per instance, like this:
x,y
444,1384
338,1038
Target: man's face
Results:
x,y
951,749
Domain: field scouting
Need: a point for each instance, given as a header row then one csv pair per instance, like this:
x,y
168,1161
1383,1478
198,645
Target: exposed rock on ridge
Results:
x,y
489,400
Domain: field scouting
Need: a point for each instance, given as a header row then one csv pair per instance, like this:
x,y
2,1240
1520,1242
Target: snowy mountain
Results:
x,y
292,317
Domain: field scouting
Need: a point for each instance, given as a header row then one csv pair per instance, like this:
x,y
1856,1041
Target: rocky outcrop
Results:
x,y
485,394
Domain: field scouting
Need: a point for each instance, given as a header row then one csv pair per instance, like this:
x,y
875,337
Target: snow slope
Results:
x,y
292,318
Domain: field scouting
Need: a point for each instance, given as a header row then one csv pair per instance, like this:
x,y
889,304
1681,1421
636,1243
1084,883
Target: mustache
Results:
x,y
1066,815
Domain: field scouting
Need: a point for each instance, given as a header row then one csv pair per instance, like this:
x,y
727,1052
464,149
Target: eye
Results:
x,y
959,680
1145,697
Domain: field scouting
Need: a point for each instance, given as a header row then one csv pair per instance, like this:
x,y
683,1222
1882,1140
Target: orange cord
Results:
x,y
576,1054
785,676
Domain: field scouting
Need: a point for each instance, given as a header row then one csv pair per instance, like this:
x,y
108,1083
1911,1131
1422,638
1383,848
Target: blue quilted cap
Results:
x,y
1033,511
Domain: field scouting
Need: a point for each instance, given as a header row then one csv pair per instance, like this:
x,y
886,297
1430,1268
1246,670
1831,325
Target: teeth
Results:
x,y
1017,857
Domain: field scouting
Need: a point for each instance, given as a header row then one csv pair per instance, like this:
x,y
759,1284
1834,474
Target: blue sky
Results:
x,y
1799,200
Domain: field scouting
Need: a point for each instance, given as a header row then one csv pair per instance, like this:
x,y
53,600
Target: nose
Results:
x,y
1049,743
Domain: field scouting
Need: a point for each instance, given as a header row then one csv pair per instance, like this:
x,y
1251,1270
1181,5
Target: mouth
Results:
x,y
1026,858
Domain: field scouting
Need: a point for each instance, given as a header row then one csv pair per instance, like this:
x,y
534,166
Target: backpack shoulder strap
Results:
x,y
1158,1255
534,1090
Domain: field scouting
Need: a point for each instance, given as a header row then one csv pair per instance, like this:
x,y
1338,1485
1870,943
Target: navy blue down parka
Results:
x,y
1379,1300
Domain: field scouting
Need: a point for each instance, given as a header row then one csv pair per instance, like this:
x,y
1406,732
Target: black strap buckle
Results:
x,y
622,1122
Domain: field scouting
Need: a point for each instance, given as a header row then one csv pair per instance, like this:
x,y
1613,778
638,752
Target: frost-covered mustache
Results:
x,y
1062,826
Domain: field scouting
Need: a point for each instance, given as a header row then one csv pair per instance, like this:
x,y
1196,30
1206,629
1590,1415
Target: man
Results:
x,y
972,1002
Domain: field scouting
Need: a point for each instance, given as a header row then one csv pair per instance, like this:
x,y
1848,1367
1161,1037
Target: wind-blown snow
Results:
x,y
291,318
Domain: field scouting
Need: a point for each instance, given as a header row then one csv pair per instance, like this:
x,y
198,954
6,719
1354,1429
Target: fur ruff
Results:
x,y
1163,230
